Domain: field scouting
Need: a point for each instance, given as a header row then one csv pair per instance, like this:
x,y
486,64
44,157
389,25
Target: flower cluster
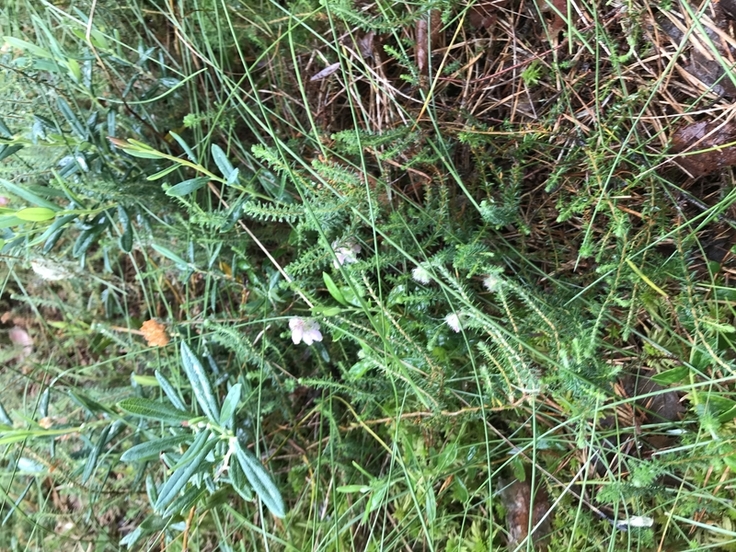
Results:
x,y
453,320
49,270
345,253
492,282
304,329
421,275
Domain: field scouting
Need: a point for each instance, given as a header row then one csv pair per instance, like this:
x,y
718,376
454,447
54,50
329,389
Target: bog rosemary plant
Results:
x,y
216,453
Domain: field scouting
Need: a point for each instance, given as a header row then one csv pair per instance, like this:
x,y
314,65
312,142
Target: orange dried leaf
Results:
x,y
155,333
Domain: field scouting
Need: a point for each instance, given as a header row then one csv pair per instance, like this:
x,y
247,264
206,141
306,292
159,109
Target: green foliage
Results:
x,y
402,287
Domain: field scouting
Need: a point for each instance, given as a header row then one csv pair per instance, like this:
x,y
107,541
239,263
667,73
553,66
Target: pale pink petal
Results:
x,y
21,338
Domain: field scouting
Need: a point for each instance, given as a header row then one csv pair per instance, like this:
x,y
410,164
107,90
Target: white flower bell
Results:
x,y
304,329
421,275
453,320
345,253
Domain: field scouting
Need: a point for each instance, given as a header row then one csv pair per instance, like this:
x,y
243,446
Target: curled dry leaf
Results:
x,y
709,46
520,506
154,332
429,37
728,7
436,36
423,47
365,45
556,7
326,72
482,14
705,147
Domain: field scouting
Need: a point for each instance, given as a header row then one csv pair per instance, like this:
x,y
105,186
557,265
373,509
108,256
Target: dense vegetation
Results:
x,y
333,275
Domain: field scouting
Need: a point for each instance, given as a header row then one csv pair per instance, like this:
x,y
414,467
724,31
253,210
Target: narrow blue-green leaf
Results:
x,y
175,483
197,445
187,186
233,177
46,123
230,404
4,418
123,216
28,47
239,481
131,538
111,122
54,231
261,481
86,239
26,194
184,146
151,490
146,408
71,118
200,383
9,149
5,132
169,391
169,255
150,450
160,174
185,502
182,475
126,239
18,501
91,406
222,162
91,464
8,221
43,403
430,506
